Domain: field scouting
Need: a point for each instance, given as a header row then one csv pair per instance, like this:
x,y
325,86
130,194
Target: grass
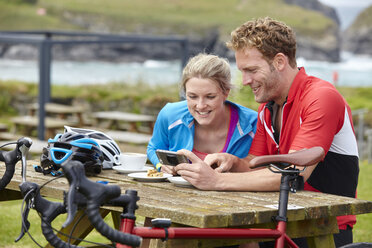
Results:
x,y
10,213
363,227
156,16
364,19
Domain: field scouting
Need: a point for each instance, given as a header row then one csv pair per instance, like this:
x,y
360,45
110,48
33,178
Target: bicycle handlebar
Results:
x,y
12,157
48,210
82,192
306,157
97,194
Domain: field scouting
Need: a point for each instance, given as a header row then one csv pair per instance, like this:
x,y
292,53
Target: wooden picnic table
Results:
x,y
114,118
310,214
61,111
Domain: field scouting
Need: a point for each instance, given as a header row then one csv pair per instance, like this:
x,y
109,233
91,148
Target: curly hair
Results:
x,y
268,36
208,66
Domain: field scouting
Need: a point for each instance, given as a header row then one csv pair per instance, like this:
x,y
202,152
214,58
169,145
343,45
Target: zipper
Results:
x,y
281,125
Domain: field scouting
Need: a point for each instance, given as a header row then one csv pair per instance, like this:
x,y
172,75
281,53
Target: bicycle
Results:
x,y
86,193
12,157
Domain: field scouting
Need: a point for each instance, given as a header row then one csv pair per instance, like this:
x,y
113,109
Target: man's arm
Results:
x,y
203,176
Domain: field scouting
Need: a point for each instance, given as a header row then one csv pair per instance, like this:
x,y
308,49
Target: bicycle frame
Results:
x,y
91,195
127,224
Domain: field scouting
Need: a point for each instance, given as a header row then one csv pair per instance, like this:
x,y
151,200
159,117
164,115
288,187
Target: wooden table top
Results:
x,y
58,108
33,121
193,207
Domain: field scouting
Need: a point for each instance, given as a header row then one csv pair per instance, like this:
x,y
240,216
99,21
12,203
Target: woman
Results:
x,y
205,122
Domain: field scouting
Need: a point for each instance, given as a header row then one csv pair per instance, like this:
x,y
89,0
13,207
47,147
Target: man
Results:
x,y
297,111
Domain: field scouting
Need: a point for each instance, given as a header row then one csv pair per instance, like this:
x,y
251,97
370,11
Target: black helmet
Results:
x,y
72,146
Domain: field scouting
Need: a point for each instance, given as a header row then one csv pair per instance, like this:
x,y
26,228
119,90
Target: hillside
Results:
x,y
206,23
358,37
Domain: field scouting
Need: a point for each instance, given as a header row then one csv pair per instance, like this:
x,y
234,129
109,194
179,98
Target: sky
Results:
x,y
347,10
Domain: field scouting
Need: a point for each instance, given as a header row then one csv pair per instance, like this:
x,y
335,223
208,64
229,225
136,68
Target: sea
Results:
x,y
353,70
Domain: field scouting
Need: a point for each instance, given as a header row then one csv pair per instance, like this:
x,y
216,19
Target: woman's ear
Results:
x,y
226,94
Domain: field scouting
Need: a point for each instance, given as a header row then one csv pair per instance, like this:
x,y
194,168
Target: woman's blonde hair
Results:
x,y
208,66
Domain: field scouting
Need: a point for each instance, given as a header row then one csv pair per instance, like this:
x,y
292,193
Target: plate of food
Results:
x,y
179,181
122,169
150,176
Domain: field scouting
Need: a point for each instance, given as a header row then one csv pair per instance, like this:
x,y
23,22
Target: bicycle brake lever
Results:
x,y
24,145
25,189
74,182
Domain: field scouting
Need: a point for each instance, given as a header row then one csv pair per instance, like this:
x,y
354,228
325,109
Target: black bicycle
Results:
x,y
10,158
84,193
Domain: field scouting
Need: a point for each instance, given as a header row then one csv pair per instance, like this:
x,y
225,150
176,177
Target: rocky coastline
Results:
x,y
323,47
326,49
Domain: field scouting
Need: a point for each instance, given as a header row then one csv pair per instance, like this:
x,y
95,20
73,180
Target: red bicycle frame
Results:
x,y
127,225
208,233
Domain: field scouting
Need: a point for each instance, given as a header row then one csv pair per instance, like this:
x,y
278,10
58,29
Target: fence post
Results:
x,y
360,130
44,83
369,145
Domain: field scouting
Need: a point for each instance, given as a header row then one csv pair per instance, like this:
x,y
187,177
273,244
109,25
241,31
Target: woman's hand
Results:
x,y
168,169
199,174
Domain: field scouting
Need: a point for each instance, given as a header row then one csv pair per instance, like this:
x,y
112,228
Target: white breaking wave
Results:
x,y
353,70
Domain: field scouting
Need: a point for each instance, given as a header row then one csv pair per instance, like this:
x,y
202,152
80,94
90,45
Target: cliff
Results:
x,y
358,37
206,24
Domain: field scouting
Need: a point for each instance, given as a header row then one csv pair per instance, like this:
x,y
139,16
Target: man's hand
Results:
x,y
220,161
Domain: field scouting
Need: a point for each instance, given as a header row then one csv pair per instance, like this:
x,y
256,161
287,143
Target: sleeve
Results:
x,y
259,144
159,139
321,118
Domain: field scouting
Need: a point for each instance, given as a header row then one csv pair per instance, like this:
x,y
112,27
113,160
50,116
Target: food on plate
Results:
x,y
154,173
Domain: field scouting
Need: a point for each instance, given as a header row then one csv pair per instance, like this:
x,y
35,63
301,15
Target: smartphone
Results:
x,y
171,158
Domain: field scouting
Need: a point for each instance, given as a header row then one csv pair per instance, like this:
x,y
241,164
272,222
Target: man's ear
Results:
x,y
280,61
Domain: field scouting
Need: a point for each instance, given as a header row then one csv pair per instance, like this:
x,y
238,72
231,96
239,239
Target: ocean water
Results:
x,y
72,73
352,71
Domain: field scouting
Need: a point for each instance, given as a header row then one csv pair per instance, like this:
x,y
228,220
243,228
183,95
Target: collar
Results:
x,y
298,85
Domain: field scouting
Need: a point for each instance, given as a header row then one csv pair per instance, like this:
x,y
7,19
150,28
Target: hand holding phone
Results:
x,y
170,158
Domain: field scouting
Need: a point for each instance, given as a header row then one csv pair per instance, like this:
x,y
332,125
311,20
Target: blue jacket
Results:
x,y
174,130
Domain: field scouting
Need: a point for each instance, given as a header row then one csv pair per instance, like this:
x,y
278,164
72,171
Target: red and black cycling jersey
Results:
x,y
315,114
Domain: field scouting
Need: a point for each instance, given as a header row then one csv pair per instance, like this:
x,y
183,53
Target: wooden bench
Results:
x,y
26,124
129,137
35,149
113,120
3,127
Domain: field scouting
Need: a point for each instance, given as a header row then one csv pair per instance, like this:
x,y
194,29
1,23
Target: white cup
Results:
x,y
131,160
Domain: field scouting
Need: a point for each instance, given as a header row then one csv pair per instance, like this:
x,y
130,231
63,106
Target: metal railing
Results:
x,y
46,39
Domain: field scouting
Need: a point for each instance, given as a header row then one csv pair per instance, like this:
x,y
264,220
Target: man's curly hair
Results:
x,y
266,35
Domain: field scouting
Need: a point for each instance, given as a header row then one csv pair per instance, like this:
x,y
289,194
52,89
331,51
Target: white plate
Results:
x,y
179,181
142,176
124,170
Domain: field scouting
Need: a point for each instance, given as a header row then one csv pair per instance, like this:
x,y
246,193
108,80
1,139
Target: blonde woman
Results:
x,y
205,122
